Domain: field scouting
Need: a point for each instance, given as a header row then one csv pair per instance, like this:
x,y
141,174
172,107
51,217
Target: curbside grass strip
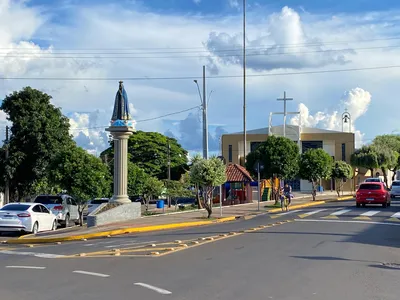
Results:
x,y
118,232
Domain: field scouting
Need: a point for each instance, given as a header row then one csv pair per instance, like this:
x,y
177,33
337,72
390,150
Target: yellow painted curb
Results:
x,y
345,198
118,232
298,206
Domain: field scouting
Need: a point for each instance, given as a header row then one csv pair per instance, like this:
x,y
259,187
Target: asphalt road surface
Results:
x,y
335,251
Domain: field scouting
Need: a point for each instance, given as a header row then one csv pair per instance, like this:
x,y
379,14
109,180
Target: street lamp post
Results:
x,y
204,109
259,167
220,188
346,118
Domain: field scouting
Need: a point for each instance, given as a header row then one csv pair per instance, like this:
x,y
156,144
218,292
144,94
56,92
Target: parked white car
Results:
x,y
26,217
63,206
395,189
95,203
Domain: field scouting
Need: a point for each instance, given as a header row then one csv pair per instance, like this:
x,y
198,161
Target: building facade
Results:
x,y
340,145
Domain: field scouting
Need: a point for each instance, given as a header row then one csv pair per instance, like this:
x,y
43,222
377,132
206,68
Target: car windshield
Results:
x,y
49,199
99,201
15,207
370,187
396,183
373,180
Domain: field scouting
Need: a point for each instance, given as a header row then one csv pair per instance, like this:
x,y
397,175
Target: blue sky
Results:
x,y
282,37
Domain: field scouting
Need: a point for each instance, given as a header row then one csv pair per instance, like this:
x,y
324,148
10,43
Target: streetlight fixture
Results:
x,y
259,167
204,108
346,118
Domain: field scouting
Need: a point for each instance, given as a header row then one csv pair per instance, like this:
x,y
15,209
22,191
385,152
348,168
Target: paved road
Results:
x,y
324,253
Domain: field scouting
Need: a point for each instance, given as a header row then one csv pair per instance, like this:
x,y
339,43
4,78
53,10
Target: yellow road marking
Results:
x,y
393,220
330,217
365,218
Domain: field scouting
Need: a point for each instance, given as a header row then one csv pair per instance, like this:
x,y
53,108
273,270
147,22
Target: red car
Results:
x,y
372,193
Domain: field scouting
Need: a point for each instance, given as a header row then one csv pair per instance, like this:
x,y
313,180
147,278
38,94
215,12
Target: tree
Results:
x,y
392,142
193,160
152,188
280,157
315,164
387,160
149,151
39,132
341,171
176,189
82,175
207,174
365,157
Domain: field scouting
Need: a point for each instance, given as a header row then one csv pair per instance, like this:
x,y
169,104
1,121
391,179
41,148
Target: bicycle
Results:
x,y
285,202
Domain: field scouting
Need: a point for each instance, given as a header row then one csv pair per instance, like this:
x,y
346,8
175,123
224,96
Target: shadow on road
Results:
x,y
332,258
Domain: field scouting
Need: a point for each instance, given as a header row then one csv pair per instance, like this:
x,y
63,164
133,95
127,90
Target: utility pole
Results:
x,y
284,99
169,171
7,187
205,121
244,83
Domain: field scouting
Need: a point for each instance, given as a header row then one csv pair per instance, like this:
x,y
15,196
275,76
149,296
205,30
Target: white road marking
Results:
x,y
91,273
88,245
314,212
396,215
370,213
154,288
130,244
41,255
289,212
340,212
25,267
347,221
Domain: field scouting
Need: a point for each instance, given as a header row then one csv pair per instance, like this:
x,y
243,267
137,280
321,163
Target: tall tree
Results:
x,y
341,171
315,164
150,152
208,173
81,174
387,160
365,157
39,132
280,157
392,142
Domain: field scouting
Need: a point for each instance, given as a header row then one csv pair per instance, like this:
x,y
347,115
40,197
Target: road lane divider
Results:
x,y
91,273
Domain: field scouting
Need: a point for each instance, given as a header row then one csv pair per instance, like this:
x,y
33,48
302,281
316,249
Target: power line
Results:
x,y
143,120
101,55
196,77
321,43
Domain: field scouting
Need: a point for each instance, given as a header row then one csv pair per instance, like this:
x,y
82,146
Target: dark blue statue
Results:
x,y
121,106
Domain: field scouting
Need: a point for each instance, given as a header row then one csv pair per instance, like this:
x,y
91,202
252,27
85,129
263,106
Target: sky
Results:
x,y
328,56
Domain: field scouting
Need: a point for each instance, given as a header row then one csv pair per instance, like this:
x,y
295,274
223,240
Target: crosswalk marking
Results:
x,y
370,213
396,215
310,213
341,212
285,213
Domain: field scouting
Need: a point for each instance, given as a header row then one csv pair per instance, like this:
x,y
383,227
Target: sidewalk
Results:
x,y
169,221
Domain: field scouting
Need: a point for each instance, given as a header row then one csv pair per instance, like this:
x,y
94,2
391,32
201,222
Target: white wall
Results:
x,y
329,147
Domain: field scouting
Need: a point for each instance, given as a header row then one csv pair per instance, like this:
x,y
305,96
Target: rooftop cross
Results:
x,y
284,99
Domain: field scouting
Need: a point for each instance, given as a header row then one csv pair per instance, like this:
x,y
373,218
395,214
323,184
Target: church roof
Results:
x,y
237,173
293,127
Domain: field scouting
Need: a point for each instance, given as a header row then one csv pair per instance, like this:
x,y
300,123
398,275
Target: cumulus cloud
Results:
x,y
356,101
284,45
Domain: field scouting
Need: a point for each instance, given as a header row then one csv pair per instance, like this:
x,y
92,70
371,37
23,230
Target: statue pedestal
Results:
x,y
120,136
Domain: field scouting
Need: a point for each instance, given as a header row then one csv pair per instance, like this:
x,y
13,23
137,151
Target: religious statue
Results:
x,y
121,105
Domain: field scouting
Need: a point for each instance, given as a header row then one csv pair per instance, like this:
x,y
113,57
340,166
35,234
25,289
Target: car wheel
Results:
x,y
66,222
54,227
358,204
35,228
384,205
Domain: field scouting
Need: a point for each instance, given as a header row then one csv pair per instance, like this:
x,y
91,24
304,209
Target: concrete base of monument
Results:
x,y
123,199
118,212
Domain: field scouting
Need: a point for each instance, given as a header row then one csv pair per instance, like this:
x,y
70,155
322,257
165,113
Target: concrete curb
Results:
x,y
118,232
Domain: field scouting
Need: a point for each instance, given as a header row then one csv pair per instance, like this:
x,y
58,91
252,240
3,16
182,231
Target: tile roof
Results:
x,y
237,173
294,128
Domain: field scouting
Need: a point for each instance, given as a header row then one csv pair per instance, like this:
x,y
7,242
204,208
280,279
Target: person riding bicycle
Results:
x,y
287,192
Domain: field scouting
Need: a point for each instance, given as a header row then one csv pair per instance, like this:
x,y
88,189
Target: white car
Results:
x,y
95,203
395,189
26,217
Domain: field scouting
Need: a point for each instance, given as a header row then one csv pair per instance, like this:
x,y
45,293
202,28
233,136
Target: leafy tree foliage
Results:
x,y
341,171
81,174
365,157
152,188
149,151
392,142
39,132
279,155
176,189
315,164
207,174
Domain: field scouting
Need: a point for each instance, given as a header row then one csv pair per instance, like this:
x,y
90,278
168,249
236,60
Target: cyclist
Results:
x,y
287,192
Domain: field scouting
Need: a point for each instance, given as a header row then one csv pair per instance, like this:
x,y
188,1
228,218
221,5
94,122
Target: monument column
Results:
x,y
121,129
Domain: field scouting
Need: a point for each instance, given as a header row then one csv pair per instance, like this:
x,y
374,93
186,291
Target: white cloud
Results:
x,y
278,46
356,102
197,2
234,3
